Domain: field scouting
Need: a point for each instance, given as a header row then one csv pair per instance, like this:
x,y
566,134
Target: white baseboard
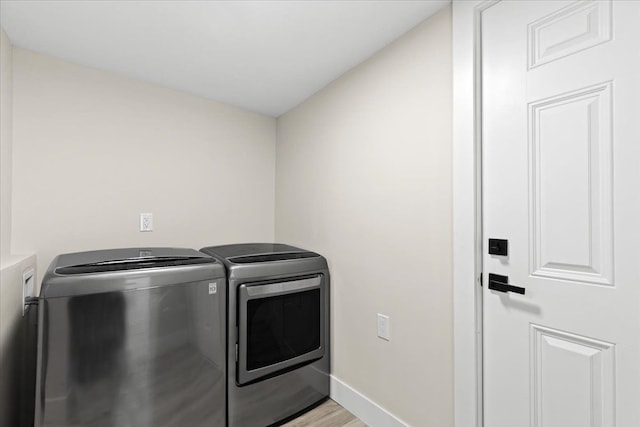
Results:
x,y
362,407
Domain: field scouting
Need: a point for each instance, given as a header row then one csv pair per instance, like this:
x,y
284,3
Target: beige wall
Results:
x,y
6,108
92,150
364,176
13,389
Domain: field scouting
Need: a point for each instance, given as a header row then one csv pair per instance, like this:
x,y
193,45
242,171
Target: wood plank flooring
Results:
x,y
329,414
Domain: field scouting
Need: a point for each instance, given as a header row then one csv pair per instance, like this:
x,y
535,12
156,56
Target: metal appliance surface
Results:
x,y
269,284
132,337
28,359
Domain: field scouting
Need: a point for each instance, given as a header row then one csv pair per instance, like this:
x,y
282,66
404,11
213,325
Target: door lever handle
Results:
x,y
501,284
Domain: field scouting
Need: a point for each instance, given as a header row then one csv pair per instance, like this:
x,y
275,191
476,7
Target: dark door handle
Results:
x,y
501,284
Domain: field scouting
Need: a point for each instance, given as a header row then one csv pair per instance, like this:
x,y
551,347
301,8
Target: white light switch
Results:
x,y
146,222
384,327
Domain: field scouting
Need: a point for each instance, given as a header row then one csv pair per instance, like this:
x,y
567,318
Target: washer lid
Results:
x,y
126,259
116,270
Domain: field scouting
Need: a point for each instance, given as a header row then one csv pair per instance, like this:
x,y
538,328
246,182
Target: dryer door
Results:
x,y
280,325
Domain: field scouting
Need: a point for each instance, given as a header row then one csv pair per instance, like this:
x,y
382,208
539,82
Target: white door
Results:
x,y
561,183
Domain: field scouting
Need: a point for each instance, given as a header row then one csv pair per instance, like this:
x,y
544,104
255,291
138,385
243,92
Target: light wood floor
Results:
x,y
329,414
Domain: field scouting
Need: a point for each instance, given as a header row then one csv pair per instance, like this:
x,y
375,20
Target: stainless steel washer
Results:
x,y
278,331
132,337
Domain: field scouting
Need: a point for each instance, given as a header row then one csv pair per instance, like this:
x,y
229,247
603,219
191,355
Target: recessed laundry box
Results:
x,y
278,331
132,338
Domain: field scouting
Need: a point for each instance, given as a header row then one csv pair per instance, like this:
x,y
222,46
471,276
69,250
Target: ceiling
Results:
x,y
265,56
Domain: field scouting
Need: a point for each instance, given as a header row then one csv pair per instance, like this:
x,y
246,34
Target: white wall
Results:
x,y
6,130
7,317
364,177
92,150
12,332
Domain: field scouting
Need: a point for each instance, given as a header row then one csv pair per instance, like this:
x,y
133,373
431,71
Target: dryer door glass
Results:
x,y
280,326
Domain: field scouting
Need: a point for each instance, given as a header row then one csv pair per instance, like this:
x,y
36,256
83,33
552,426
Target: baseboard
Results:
x,y
362,407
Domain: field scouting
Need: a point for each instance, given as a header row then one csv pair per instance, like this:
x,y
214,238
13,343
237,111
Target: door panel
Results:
x,y
563,365
569,30
571,194
561,170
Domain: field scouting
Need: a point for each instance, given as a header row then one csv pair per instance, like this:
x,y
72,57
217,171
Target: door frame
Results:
x,y
467,211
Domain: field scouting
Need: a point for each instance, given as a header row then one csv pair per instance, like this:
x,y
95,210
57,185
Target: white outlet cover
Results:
x,y
146,222
384,327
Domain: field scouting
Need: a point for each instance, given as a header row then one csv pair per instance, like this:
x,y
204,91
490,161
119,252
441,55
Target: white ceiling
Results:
x,y
265,56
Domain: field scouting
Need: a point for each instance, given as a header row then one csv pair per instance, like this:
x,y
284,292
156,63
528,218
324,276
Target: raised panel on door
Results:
x,y
570,186
564,364
569,30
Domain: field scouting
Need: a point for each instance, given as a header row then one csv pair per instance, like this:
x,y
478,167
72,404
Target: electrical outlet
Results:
x,y
384,327
146,222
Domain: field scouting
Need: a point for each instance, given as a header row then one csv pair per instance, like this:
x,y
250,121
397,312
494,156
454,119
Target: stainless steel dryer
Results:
x,y
132,338
278,331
